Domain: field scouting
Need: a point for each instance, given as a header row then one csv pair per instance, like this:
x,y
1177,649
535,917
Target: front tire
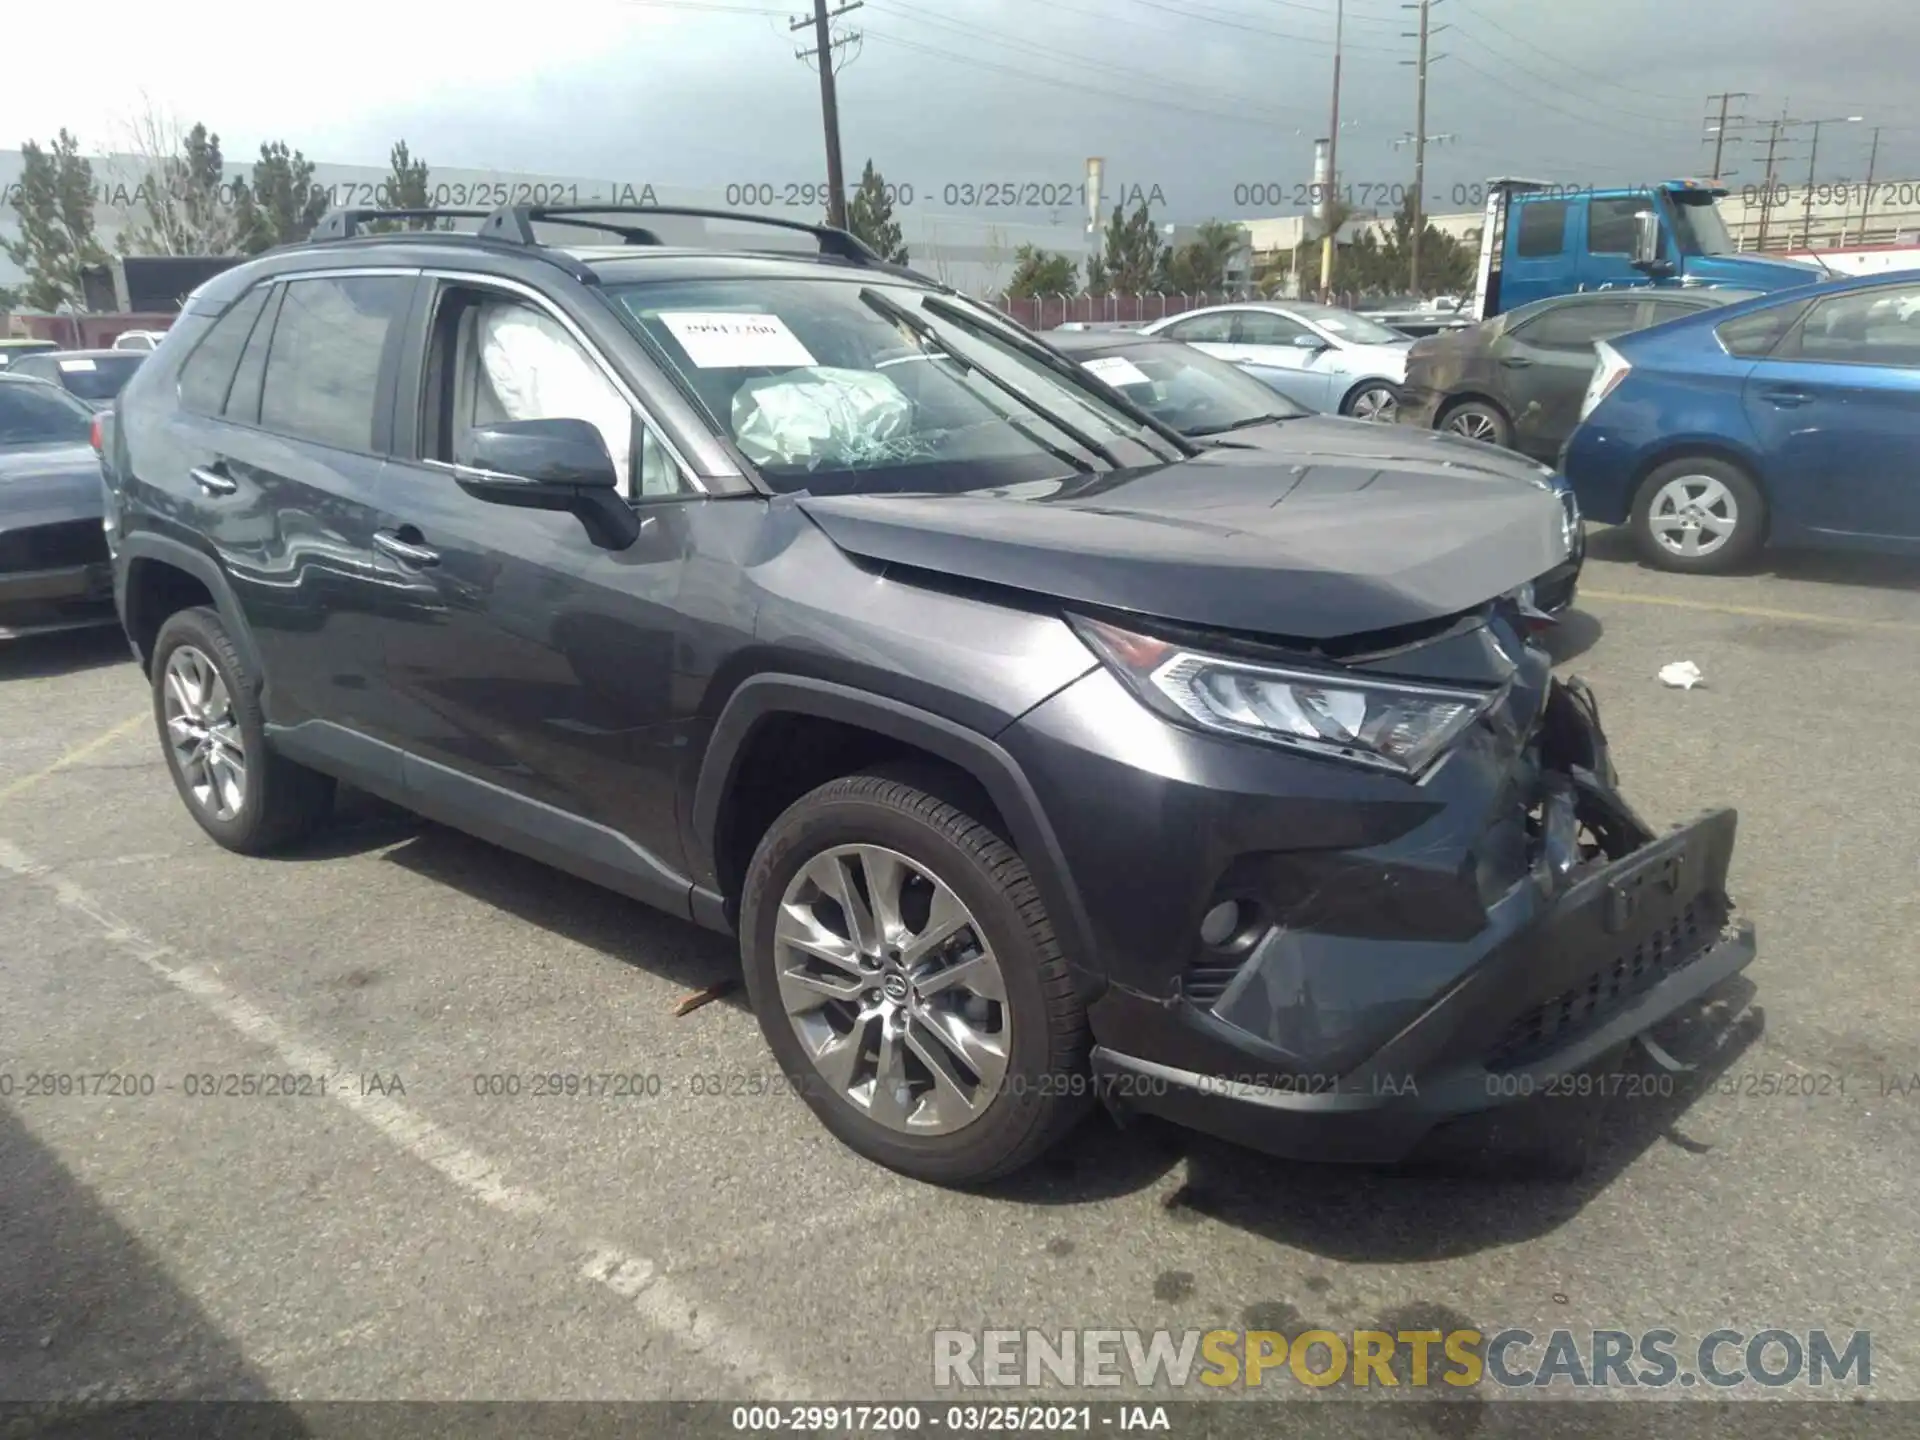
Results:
x,y
1373,400
908,981
206,706
1477,420
1699,515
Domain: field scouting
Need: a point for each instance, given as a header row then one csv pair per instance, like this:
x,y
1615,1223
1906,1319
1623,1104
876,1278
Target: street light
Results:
x,y
1813,152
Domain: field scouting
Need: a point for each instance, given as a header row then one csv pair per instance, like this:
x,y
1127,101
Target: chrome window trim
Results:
x,y
529,293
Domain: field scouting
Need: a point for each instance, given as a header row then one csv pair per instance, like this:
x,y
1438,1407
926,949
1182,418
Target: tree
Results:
x,y
1038,272
55,205
1130,258
870,217
282,205
405,188
1446,264
181,177
1200,266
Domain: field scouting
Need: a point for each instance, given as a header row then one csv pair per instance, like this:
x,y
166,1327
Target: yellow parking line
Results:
x,y
74,756
1757,612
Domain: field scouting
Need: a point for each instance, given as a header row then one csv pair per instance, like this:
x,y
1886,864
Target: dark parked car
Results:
x,y
1792,419
1032,751
53,558
1220,403
1517,379
14,347
92,376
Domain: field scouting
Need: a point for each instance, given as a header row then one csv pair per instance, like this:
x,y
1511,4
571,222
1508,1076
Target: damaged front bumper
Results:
x,y
1414,954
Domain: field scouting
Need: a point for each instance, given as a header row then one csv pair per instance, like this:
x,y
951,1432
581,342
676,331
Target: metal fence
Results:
x,y
1045,312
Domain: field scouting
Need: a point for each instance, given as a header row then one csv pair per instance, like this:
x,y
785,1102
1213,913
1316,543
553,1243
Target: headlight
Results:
x,y
1387,724
1569,517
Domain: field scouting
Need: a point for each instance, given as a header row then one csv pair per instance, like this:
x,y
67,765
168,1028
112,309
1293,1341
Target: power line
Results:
x,y
1561,60
1532,100
1211,18
915,15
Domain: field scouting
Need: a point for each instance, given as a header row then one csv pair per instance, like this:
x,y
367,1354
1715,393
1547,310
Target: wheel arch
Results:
x,y
1366,382
1470,397
159,576
726,822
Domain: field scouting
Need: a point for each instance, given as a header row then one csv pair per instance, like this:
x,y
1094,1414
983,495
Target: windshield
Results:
x,y
838,386
1702,229
1190,391
1347,326
40,415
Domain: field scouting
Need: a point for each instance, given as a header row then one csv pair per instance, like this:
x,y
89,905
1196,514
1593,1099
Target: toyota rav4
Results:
x,y
1032,751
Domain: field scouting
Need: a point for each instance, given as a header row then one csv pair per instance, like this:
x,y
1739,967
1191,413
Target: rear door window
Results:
x,y
1263,327
1576,327
325,364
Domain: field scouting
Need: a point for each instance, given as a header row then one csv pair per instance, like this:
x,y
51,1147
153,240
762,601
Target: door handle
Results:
x,y
405,551
211,481
1786,399
1515,362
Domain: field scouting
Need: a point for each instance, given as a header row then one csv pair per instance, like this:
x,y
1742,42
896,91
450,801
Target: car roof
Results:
x,y
85,354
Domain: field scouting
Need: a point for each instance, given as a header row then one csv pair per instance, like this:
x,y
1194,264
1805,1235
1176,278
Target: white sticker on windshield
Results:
x,y
1117,370
71,365
730,340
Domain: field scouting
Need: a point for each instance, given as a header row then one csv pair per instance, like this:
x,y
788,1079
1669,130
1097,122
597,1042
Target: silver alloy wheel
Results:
x,y
1376,402
892,989
204,733
1473,424
1693,515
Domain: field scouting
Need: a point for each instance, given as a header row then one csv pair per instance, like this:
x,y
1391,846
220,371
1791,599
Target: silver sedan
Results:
x,y
1326,359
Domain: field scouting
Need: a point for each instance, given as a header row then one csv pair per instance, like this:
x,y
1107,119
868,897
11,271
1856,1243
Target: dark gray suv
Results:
x,y
1034,752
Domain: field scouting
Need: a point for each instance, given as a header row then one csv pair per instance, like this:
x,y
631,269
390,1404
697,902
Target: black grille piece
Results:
x,y
53,547
1575,1012
1207,980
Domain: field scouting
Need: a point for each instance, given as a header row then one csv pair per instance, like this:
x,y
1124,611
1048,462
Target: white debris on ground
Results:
x,y
1681,674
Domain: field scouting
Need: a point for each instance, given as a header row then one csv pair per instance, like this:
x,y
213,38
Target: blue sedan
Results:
x,y
1791,419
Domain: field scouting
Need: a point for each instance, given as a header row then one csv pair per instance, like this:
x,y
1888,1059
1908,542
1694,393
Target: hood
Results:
x,y
1770,272
1328,529
42,484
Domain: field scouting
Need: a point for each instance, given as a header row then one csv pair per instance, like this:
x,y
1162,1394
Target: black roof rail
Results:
x,y
516,222
345,224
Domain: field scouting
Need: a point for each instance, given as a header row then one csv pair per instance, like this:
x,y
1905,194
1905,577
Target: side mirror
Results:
x,y
548,465
1308,342
1646,244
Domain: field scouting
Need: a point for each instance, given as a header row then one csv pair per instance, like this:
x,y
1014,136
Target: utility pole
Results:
x,y
1766,188
1866,197
1333,153
1720,130
1425,33
1813,154
823,44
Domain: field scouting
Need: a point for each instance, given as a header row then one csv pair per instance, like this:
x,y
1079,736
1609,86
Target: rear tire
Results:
x,y
206,706
1699,515
1477,420
865,1063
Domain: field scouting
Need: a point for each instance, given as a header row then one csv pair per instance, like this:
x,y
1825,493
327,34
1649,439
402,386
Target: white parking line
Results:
x,y
687,1319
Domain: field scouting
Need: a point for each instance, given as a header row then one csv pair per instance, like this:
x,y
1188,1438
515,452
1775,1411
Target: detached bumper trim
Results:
x,y
1376,1117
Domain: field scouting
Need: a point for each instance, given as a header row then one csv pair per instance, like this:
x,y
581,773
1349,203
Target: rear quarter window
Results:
x,y
1543,228
208,373
1754,336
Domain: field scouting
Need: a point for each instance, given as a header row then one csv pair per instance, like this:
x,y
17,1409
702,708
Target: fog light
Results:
x,y
1220,924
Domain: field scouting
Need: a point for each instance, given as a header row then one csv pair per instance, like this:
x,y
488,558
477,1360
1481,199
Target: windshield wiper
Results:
x,y
1245,424
900,315
959,315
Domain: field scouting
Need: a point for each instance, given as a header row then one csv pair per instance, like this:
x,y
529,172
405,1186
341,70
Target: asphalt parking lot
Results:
x,y
406,1236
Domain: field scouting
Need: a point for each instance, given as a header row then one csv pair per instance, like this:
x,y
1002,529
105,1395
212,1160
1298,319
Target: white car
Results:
x,y
1328,360
138,339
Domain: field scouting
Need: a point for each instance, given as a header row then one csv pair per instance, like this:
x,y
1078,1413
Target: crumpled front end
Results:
x,y
1327,962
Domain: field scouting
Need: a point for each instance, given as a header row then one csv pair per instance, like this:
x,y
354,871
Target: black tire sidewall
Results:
x,y
1750,526
1032,1087
201,628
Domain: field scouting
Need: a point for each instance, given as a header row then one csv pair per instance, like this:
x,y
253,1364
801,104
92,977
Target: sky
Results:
x,y
1193,103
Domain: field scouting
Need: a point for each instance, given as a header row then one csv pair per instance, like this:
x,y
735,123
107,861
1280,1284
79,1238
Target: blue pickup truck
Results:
x,y
1541,239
